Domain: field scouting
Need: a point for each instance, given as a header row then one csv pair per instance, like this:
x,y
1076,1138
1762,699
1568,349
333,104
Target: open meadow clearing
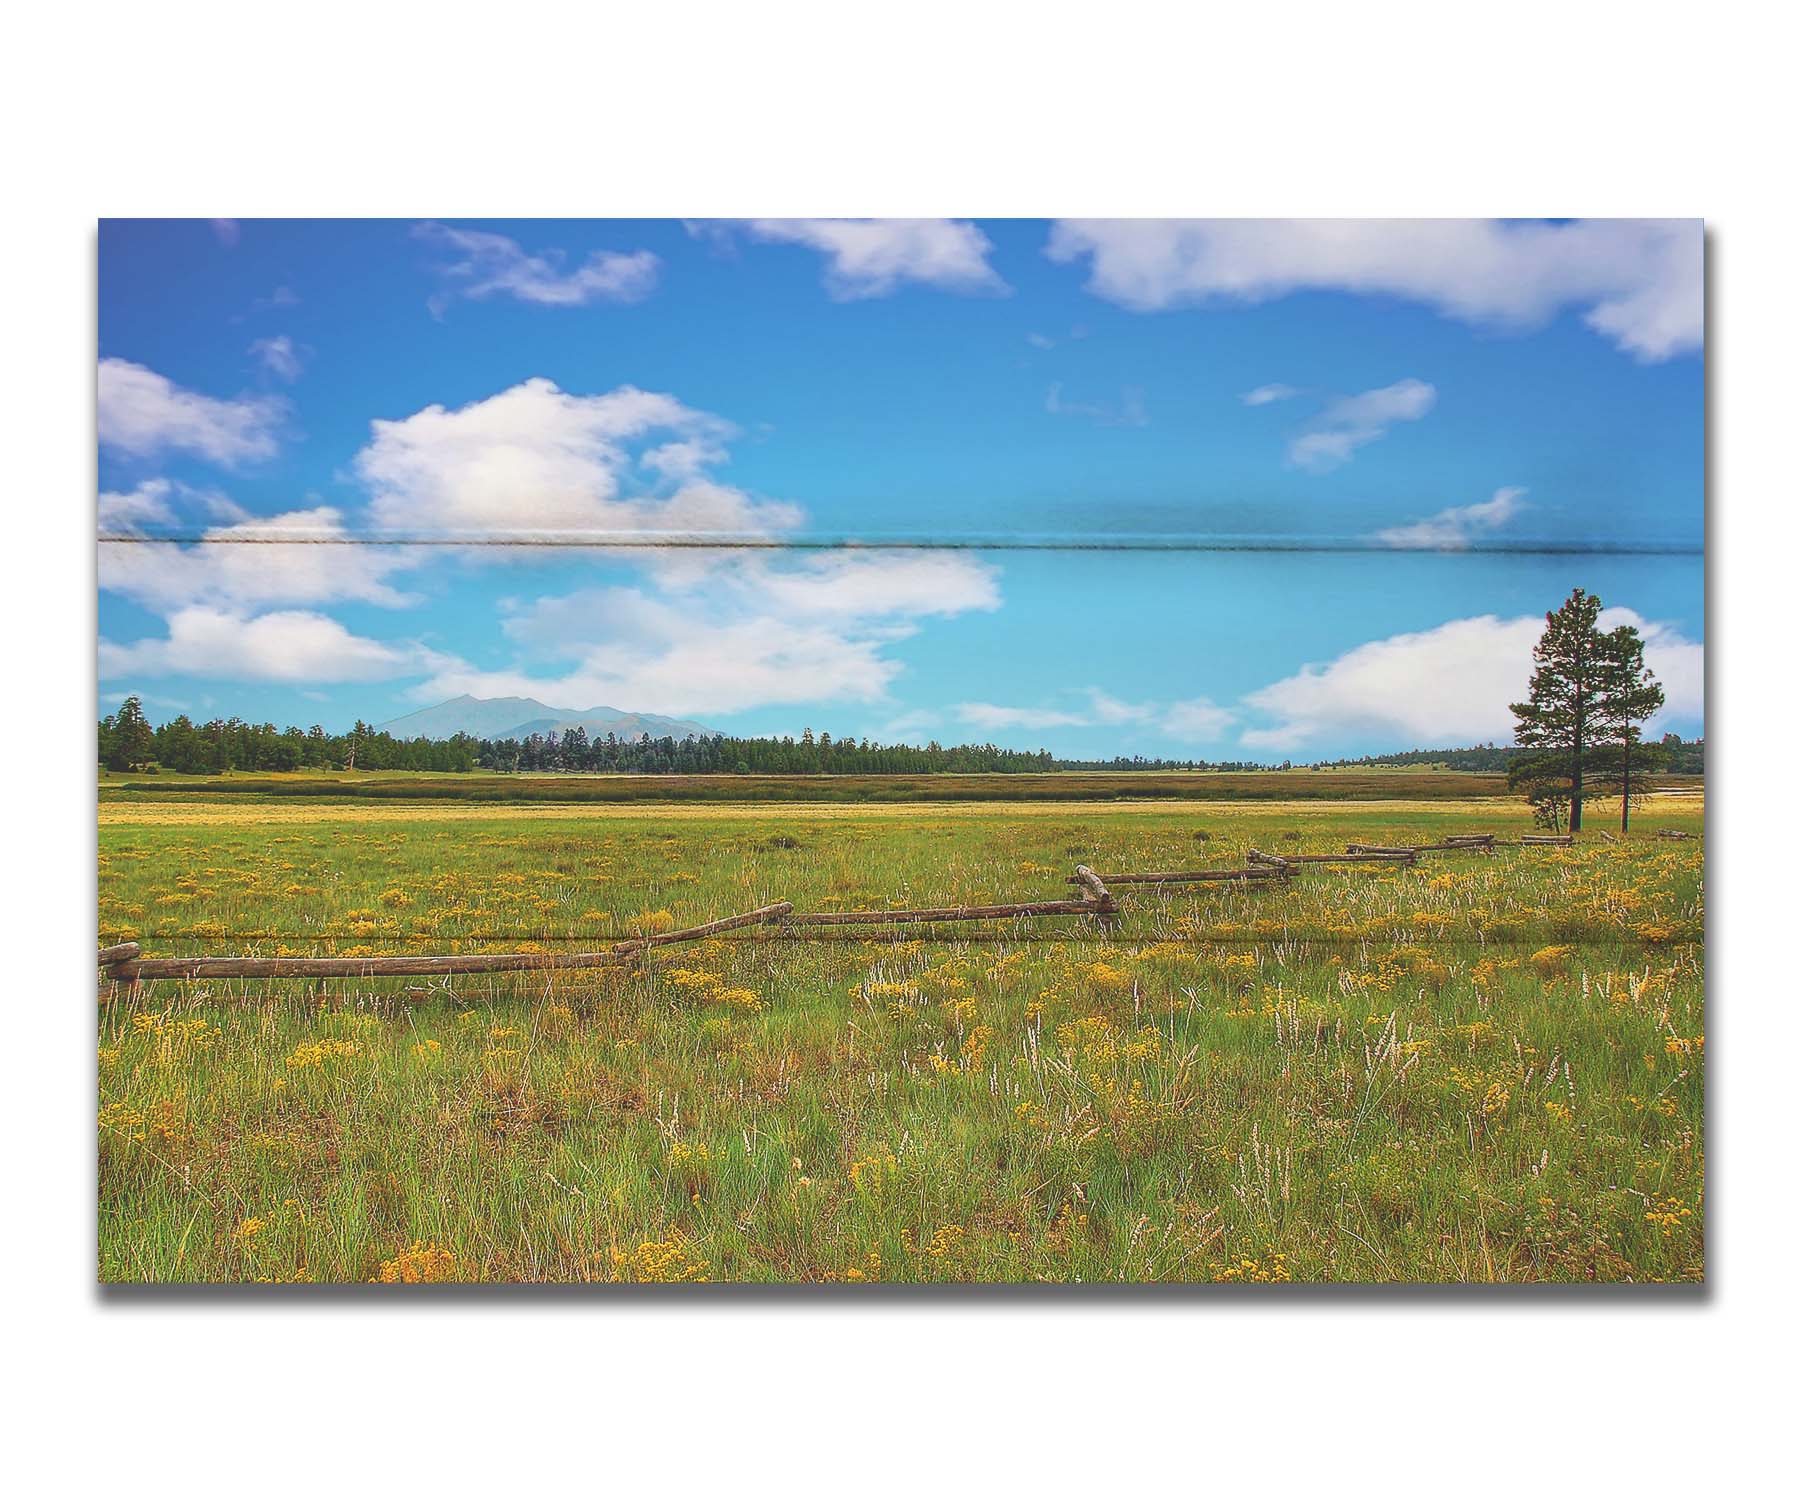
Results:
x,y
1484,1067
1021,787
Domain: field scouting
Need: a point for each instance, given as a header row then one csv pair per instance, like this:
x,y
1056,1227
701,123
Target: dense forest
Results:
x,y
1673,755
128,742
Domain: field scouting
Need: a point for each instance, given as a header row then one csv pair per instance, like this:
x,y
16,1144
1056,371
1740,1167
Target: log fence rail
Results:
x,y
124,963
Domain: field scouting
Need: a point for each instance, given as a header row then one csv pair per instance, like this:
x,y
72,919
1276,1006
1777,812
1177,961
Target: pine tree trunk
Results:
x,y
1625,802
1580,707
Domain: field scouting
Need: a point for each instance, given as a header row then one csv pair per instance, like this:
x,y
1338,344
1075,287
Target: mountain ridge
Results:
x,y
516,718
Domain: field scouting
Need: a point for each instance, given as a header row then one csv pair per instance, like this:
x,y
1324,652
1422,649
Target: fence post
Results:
x,y
1106,908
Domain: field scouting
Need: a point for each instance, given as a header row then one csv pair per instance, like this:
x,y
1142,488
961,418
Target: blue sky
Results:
x,y
1460,419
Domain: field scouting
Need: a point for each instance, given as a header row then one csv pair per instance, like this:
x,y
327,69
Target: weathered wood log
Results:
x,y
1257,857
118,953
1402,857
1095,887
1194,877
133,970
1081,908
1557,840
1105,907
1190,877
1673,833
360,968
773,912
1482,841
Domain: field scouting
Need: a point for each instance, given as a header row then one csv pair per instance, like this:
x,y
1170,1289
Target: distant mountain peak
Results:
x,y
515,718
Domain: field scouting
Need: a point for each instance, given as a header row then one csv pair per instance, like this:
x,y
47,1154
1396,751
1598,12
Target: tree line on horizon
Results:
x,y
1671,753
129,742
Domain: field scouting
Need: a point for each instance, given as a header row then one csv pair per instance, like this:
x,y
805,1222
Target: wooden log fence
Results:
x,y
131,969
1547,840
1479,842
124,963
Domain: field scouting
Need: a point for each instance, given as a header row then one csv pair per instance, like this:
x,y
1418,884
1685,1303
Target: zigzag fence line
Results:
x,y
124,963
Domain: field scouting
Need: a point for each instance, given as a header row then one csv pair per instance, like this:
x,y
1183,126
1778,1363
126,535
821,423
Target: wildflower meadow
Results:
x,y
1483,1068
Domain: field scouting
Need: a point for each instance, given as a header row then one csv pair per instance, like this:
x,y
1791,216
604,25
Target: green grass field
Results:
x,y
1485,1068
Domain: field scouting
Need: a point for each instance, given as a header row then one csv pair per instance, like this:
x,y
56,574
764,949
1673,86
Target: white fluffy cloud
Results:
x,y
1638,282
629,649
1264,394
132,510
142,413
712,629
537,459
1453,529
875,257
729,631
300,557
856,590
487,265
1447,686
1347,423
292,646
685,458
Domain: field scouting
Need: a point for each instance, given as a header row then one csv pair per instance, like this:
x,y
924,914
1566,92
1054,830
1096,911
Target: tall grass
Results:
x,y
1055,787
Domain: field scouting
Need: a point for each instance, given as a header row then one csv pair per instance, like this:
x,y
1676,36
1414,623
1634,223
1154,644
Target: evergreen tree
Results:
x,y
1629,695
131,742
1563,714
